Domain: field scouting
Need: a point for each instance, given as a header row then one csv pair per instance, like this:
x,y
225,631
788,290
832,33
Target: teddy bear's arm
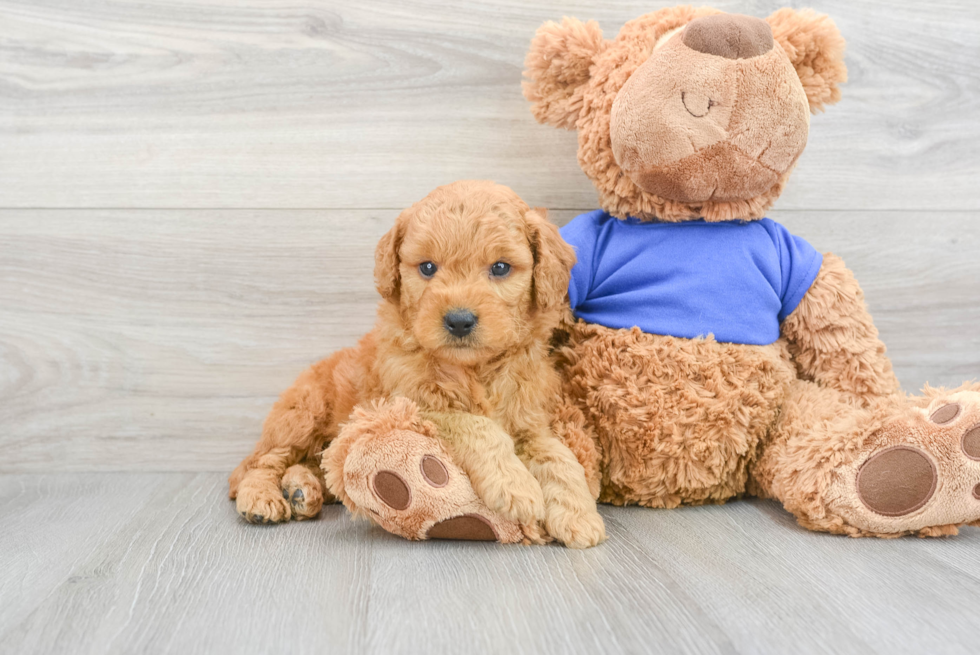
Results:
x,y
833,339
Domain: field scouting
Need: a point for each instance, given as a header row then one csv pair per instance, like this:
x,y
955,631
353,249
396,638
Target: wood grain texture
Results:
x,y
330,104
160,563
158,339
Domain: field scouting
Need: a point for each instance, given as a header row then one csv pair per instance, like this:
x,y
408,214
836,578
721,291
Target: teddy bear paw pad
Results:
x,y
922,471
392,490
408,484
469,527
897,481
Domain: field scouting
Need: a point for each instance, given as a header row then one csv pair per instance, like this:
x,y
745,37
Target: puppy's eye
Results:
x,y
427,269
500,269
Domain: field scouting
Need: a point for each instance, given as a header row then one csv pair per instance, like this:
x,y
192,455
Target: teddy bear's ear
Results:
x,y
556,65
816,48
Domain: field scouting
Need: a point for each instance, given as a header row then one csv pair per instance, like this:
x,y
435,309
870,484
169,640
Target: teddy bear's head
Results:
x,y
687,113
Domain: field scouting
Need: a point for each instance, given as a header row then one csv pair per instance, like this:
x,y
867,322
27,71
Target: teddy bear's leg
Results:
x,y
388,465
899,466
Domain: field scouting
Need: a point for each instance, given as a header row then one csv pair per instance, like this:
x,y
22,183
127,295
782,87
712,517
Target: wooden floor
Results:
x,y
159,562
190,194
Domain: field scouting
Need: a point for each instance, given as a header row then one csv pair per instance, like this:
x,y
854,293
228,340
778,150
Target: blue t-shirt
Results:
x,y
736,280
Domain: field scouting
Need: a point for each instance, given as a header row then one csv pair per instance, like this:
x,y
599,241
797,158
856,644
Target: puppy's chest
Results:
x,y
466,391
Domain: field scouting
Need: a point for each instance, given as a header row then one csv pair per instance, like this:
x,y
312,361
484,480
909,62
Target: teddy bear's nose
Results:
x,y
732,36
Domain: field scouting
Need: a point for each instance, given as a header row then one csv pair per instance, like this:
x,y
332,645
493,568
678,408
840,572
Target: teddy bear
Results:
x,y
712,353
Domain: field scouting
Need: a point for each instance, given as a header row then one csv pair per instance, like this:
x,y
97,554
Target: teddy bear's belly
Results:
x,y
678,420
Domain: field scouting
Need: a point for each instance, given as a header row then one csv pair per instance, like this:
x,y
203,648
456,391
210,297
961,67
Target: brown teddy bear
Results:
x,y
715,354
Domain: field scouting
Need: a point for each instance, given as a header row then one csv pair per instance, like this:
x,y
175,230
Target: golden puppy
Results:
x,y
473,282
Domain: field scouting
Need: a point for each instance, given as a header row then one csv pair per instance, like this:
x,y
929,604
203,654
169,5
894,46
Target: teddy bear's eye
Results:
x,y
500,269
427,269
696,105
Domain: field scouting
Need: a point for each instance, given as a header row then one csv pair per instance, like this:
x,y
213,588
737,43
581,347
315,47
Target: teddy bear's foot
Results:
x,y
919,473
387,465
411,487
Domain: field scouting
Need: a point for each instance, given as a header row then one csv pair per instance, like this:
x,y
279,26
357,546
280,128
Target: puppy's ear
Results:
x,y
387,278
556,67
816,48
553,260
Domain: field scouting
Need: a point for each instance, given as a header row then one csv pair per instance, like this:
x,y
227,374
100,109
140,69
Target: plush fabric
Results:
x,y
577,80
734,280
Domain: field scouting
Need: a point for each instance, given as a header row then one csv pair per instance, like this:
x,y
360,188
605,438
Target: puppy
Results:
x,y
473,282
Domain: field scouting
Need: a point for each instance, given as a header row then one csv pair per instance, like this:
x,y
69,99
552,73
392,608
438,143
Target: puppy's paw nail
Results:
x,y
285,494
297,495
583,530
535,534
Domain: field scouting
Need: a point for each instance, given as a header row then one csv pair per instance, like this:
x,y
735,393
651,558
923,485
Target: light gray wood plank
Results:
x,y
184,574
53,524
157,340
775,587
921,283
320,104
173,331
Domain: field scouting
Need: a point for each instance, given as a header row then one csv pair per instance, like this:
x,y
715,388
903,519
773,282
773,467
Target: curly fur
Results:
x,y
833,338
678,421
499,375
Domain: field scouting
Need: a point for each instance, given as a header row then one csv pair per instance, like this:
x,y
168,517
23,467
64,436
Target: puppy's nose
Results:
x,y
731,36
459,322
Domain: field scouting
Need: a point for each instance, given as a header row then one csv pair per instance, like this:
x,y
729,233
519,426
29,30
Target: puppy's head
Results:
x,y
473,272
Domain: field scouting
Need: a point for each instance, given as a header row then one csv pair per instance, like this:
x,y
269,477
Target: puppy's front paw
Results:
x,y
518,497
303,491
575,528
261,501
534,533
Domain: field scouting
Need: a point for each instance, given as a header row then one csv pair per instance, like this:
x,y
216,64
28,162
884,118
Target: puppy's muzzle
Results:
x,y
459,322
